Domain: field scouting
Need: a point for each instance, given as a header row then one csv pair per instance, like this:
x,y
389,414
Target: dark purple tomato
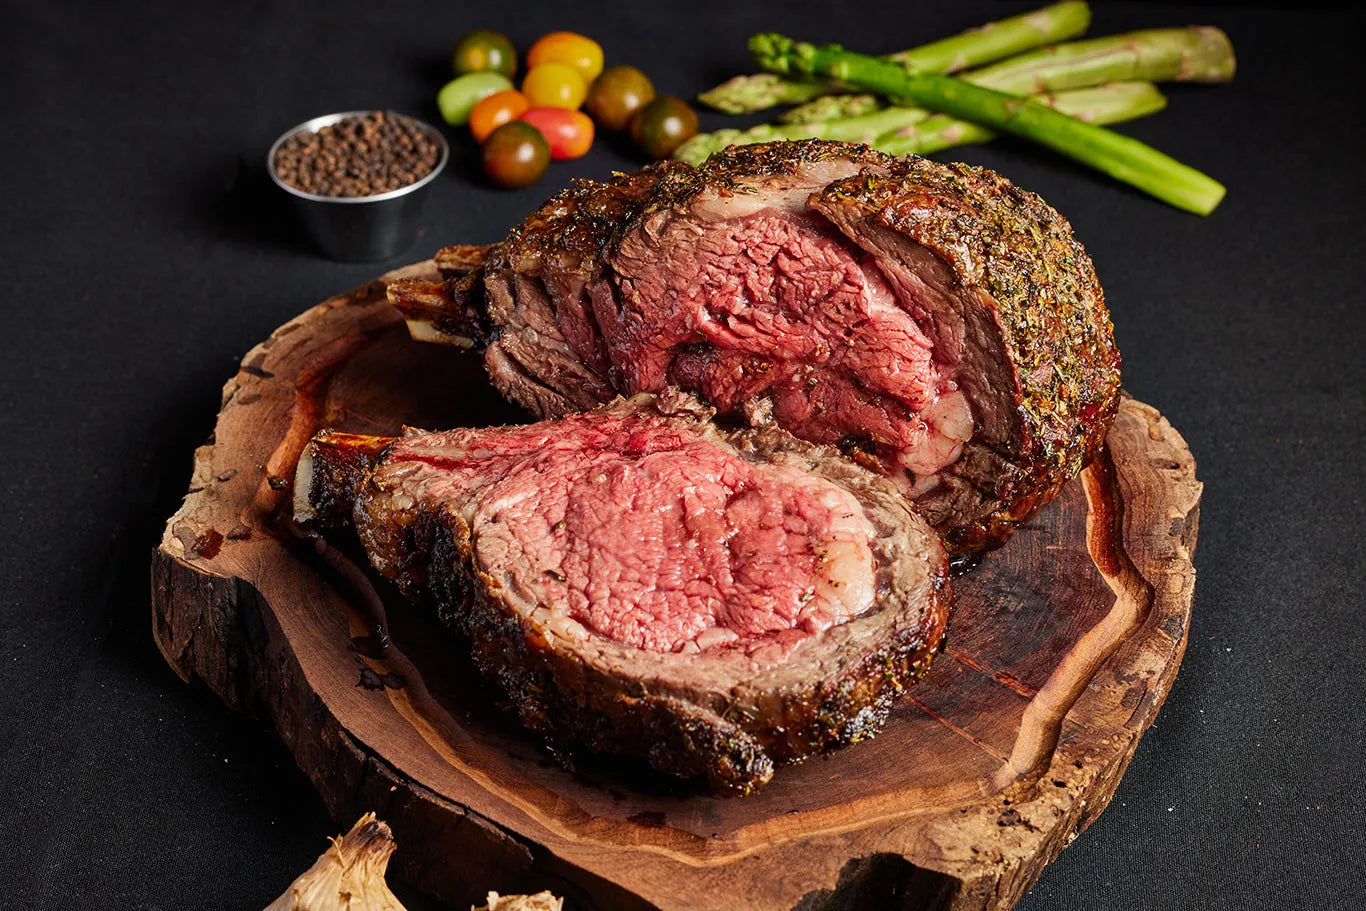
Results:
x,y
617,94
663,125
516,155
484,51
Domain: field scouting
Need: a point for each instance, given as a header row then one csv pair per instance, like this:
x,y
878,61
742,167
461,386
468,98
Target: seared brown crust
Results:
x,y
571,230
735,169
576,704
1018,256
330,471
460,259
547,262
721,718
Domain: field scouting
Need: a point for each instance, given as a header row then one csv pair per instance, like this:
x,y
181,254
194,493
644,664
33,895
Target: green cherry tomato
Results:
x,y
484,51
569,133
662,126
516,155
459,96
617,94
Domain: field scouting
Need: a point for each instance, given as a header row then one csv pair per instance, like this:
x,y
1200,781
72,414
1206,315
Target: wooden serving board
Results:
x,y
1062,647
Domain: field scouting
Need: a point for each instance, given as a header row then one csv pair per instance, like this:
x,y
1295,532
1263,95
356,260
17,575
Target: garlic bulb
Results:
x,y
349,876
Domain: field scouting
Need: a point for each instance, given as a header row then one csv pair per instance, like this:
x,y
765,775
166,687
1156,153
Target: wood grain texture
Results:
x,y
1062,647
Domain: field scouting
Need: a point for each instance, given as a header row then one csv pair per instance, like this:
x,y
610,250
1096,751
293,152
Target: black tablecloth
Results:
x,y
144,255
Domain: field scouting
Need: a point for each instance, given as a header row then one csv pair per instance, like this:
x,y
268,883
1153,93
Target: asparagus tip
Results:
x,y
770,50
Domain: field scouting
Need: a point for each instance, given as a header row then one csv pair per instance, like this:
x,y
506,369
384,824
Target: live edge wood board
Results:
x,y
1061,649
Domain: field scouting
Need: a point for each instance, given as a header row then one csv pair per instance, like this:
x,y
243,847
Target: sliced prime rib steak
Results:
x,y
933,320
642,582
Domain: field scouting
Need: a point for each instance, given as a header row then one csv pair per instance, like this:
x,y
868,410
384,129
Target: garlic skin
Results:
x,y
349,876
541,901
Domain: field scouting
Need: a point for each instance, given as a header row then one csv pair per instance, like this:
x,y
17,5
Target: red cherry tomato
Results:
x,y
496,110
569,133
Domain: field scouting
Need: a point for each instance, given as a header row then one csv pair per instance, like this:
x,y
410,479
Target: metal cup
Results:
x,y
360,229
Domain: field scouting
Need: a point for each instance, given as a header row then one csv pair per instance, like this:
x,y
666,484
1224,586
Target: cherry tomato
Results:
x,y
484,51
584,54
570,133
515,155
459,96
662,126
617,94
554,85
496,110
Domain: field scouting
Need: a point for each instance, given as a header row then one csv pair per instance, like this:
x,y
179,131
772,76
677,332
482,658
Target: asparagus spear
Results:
x,y
1194,54
757,92
832,107
866,128
900,130
997,40
1122,157
993,41
1111,103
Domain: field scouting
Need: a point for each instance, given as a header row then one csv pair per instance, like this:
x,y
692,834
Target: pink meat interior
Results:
x,y
774,308
652,537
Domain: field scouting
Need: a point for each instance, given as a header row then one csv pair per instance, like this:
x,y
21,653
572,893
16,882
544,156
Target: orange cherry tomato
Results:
x,y
583,54
569,133
554,85
496,110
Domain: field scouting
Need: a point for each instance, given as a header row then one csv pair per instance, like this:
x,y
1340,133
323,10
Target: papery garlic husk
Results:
x,y
541,901
349,876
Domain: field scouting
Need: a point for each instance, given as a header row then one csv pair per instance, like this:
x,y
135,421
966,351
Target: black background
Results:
x,y
143,256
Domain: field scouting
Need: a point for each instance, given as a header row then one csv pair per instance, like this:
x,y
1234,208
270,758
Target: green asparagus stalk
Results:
x,y
1194,54
993,41
900,130
832,107
1114,102
760,91
1122,157
867,129
998,40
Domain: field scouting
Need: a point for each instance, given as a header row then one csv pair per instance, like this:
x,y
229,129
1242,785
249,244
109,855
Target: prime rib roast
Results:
x,y
644,582
754,378
933,321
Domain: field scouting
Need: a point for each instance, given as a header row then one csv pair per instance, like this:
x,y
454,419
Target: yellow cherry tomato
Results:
x,y
554,85
583,54
496,110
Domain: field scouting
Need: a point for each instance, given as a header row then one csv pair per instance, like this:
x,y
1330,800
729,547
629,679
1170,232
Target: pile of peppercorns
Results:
x,y
358,156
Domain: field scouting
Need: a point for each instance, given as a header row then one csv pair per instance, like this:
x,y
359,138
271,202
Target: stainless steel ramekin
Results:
x,y
360,228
